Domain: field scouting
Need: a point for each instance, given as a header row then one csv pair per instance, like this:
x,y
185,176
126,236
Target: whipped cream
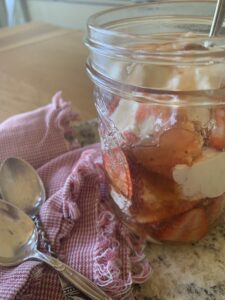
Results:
x,y
178,78
124,118
205,178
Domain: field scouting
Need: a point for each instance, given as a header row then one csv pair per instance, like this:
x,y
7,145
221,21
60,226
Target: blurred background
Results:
x,y
68,13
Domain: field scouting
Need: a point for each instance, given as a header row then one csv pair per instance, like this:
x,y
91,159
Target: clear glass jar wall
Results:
x,y
159,90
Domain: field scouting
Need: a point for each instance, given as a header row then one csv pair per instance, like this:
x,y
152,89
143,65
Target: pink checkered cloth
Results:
x,y
83,232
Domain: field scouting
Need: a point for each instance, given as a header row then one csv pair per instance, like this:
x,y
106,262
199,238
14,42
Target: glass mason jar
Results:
x,y
159,91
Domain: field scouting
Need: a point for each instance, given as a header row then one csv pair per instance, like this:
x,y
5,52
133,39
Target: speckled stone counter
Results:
x,y
182,272
188,272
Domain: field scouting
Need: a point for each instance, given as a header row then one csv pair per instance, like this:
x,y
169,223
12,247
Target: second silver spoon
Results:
x,y
18,240
21,186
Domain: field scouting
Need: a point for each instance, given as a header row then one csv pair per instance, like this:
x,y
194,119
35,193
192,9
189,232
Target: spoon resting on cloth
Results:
x,y
18,240
21,186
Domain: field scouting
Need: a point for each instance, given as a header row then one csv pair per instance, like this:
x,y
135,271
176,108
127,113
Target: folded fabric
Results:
x,y
75,217
39,135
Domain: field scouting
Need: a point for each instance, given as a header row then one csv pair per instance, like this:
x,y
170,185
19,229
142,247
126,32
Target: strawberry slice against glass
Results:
x,y
143,112
111,107
118,171
157,198
130,137
188,227
214,209
152,120
217,134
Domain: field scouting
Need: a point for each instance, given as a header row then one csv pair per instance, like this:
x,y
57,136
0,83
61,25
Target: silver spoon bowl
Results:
x,y
21,185
18,240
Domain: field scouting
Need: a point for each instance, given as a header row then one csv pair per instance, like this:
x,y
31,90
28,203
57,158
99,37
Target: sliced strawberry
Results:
x,y
217,138
217,135
217,141
118,171
143,112
157,198
188,227
176,146
113,105
163,116
214,209
130,137
158,213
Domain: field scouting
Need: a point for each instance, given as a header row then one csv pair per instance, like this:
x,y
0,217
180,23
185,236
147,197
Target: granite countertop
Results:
x,y
183,272
188,272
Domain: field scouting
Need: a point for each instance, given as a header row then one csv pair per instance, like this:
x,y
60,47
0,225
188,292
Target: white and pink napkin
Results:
x,y
83,232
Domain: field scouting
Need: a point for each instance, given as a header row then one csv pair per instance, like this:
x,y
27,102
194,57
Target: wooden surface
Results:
x,y
38,59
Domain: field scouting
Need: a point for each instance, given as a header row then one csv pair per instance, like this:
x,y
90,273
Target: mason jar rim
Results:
x,y
103,38
92,20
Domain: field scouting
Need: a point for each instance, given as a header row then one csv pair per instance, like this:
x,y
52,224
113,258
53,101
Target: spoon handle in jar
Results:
x,y
74,277
218,18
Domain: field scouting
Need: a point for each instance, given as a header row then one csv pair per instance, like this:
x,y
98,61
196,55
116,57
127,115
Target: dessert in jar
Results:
x,y
160,97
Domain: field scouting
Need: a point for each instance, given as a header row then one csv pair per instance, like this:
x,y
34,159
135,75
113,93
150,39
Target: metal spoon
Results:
x,y
21,186
18,240
218,18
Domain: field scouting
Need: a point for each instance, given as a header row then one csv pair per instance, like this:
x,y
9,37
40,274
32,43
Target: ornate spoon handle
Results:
x,y
76,278
70,292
